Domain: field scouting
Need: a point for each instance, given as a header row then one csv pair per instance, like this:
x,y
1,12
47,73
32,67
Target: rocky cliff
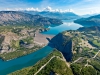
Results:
x,y
64,44
76,41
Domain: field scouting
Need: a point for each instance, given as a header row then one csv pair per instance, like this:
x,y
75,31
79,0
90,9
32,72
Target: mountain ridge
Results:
x,y
60,15
84,58
21,18
90,21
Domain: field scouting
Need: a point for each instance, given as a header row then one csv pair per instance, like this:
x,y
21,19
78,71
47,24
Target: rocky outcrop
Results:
x,y
20,18
1,39
18,38
5,48
64,44
5,44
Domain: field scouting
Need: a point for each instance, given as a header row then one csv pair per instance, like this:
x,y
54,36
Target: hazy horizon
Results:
x,y
79,7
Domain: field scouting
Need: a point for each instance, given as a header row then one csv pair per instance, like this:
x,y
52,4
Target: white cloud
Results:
x,y
37,9
7,9
18,9
57,10
21,9
94,12
48,8
69,10
32,9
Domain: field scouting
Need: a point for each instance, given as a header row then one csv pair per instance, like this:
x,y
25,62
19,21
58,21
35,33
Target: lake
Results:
x,y
67,25
25,61
29,60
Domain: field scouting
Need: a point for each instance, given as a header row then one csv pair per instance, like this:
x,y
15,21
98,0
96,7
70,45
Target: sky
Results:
x,y
80,7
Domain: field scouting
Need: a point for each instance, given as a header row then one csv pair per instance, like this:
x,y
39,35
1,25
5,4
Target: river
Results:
x,y
29,60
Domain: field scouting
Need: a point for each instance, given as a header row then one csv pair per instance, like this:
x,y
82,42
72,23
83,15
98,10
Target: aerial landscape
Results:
x,y
49,37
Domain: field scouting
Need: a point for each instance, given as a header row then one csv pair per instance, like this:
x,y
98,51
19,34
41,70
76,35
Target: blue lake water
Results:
x,y
67,25
29,60
25,61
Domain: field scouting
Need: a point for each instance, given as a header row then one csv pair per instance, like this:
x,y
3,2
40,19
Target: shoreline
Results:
x,y
40,39
28,60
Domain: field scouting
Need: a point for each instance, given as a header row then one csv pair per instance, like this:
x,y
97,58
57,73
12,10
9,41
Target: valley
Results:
x,y
49,37
80,55
17,41
54,60
45,45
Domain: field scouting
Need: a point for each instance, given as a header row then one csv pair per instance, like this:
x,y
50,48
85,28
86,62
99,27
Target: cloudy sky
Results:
x,y
77,6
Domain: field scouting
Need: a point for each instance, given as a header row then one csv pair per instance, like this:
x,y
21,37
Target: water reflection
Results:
x,y
67,25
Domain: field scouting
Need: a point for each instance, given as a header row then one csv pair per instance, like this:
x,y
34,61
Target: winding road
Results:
x,y
96,54
44,65
76,60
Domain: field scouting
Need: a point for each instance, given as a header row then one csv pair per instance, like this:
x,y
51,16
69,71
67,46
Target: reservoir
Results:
x,y
67,25
7,67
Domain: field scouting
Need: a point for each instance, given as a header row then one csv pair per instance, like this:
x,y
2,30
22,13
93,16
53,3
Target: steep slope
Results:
x,y
59,15
20,18
91,21
51,65
64,44
82,48
16,41
85,59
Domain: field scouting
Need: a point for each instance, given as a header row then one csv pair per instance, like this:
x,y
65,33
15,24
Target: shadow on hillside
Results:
x,y
65,50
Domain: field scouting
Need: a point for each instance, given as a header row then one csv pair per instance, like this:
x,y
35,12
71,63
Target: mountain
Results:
x,y
17,41
77,53
68,40
51,65
92,28
64,44
91,21
20,18
88,15
58,15
81,48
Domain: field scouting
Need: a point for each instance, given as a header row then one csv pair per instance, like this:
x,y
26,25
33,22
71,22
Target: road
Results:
x,y
96,54
44,65
76,60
